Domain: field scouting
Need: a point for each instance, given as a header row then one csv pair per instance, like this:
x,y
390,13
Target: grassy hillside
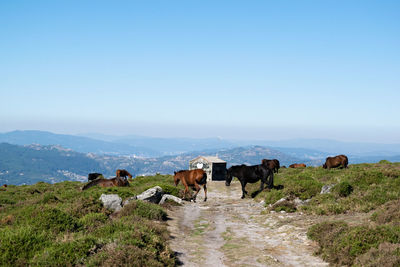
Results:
x,y
60,225
372,189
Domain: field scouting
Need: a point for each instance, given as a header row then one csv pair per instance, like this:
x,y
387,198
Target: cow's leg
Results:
x,y
263,180
197,191
244,192
271,180
205,192
186,189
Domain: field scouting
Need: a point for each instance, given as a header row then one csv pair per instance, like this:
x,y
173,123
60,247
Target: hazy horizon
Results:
x,y
267,70
103,136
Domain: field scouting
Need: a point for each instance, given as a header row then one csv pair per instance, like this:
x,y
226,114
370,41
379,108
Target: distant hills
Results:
x,y
31,156
32,163
76,143
151,147
113,145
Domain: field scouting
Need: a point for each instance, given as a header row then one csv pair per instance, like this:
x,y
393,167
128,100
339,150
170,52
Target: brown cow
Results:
x,y
192,178
117,181
272,164
123,173
297,165
334,162
4,185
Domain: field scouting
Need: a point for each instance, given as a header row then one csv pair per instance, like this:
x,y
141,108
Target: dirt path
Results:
x,y
229,231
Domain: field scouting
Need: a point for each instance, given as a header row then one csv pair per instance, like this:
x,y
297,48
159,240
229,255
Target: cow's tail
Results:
x,y
203,179
92,183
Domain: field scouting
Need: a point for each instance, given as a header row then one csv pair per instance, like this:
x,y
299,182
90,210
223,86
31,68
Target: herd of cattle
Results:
x,y
196,178
330,162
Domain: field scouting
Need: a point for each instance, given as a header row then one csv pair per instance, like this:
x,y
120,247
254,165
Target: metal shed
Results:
x,y
213,166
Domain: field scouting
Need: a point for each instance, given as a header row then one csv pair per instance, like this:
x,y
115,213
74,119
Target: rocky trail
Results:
x,y
229,231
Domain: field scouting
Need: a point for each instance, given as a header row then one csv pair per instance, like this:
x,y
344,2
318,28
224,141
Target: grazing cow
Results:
x,y
123,173
94,175
272,164
4,185
297,165
334,162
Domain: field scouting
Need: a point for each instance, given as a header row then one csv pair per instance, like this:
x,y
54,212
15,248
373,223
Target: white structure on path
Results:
x,y
213,166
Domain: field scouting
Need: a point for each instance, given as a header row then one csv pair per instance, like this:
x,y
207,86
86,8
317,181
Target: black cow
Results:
x,y
250,174
94,176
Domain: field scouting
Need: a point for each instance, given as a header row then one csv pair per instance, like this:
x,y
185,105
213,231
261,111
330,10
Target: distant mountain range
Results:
x,y
32,163
31,156
151,147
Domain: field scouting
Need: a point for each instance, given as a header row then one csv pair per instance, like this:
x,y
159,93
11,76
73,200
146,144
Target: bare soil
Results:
x,y
230,231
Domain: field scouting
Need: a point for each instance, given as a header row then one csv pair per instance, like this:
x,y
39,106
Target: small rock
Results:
x,y
152,195
111,202
280,201
327,189
170,197
298,202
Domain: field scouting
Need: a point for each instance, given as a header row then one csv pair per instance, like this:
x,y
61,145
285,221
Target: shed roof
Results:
x,y
211,159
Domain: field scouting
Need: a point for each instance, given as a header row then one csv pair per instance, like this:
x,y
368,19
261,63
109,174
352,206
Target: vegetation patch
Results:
x,y
388,213
287,206
359,188
144,209
343,189
60,225
342,244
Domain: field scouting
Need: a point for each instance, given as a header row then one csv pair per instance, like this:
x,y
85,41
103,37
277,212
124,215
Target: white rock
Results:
x,y
280,201
152,195
111,202
170,197
299,202
326,189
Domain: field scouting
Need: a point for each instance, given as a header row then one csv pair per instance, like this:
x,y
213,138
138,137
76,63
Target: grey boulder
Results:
x,y
152,195
171,198
111,202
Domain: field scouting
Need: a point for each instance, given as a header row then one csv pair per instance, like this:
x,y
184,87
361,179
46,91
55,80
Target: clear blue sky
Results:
x,y
235,69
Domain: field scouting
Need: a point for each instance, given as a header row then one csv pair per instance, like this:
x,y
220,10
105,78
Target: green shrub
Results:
x,y
60,225
170,189
49,198
384,161
83,205
386,254
65,253
388,213
144,209
273,196
55,220
286,206
343,189
341,244
18,245
92,220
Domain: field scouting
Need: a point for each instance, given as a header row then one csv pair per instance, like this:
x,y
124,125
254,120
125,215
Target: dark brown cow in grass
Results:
x,y
335,162
116,181
123,173
272,164
297,165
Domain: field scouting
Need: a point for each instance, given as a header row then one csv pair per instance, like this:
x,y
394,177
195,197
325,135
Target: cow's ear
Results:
x,y
174,173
